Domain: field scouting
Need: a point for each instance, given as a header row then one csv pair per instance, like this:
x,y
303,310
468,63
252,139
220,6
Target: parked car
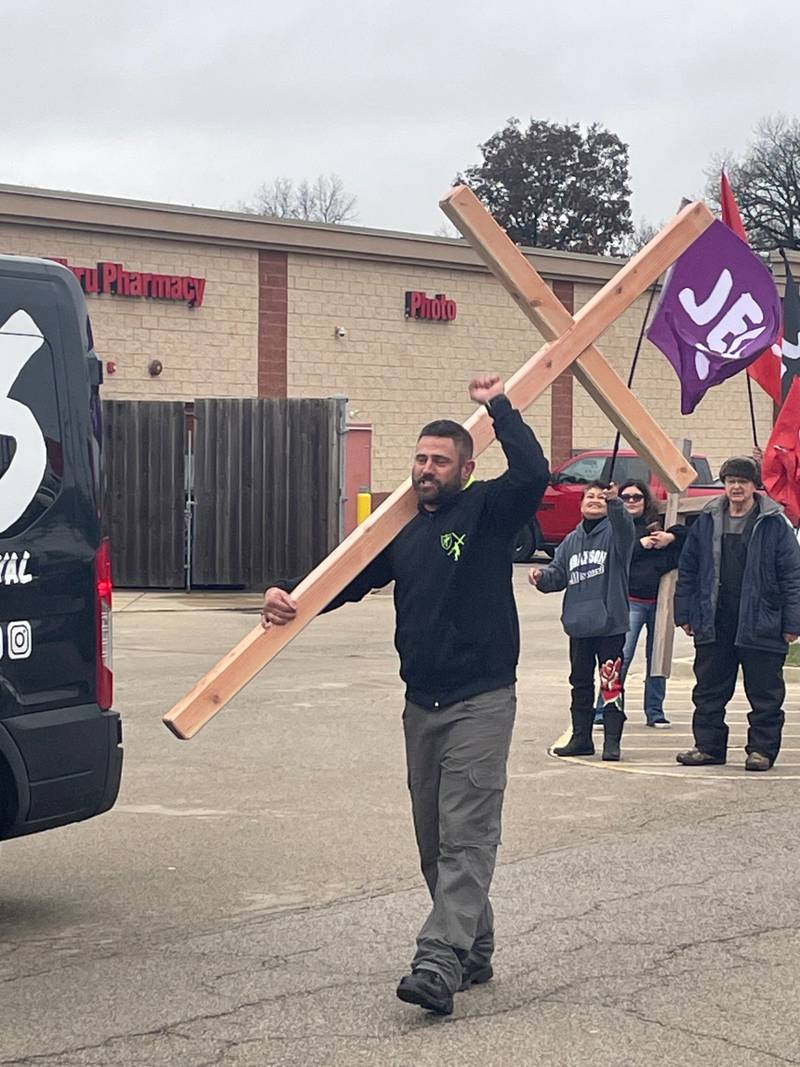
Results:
x,y
559,512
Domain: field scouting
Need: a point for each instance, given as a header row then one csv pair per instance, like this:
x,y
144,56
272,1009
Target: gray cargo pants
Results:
x,y
457,776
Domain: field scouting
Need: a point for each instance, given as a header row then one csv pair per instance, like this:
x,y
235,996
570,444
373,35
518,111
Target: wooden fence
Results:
x,y
220,492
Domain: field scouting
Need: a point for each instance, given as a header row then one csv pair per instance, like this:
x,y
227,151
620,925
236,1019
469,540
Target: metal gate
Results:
x,y
222,492
143,458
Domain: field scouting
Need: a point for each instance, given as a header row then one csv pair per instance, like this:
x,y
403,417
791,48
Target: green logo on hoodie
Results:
x,y
452,543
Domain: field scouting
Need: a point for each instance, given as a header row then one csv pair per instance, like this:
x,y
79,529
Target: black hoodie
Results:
x,y
457,630
649,564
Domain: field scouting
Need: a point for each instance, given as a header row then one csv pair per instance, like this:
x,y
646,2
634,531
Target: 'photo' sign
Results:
x,y
437,308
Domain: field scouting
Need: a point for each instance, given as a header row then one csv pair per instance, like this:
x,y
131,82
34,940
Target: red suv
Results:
x,y
560,510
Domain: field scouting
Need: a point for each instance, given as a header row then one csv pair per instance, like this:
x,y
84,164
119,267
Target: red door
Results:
x,y
358,475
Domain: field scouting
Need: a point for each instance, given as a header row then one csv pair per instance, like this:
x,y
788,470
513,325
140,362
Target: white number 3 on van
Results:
x,y
19,339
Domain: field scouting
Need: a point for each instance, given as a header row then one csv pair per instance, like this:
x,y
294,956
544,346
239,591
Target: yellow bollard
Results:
x,y
363,506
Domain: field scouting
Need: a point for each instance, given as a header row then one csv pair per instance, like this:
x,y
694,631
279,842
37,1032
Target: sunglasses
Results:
x,y
631,498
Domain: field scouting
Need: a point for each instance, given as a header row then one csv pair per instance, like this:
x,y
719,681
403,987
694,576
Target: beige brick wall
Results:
x,y
720,425
207,351
400,373
397,373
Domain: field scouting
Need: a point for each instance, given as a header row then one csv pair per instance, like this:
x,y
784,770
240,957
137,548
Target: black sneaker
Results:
x,y
475,973
659,724
757,761
695,757
428,989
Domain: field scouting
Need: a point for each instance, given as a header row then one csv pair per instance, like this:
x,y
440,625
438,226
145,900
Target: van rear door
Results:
x,y
60,751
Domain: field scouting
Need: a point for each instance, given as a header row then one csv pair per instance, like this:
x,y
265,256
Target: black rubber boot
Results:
x,y
580,744
613,722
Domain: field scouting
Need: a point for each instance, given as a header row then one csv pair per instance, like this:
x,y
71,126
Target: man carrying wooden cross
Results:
x,y
457,634
492,513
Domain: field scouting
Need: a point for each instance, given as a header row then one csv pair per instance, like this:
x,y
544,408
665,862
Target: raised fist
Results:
x,y
485,387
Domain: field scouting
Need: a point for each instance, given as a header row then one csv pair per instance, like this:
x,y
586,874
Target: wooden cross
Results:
x,y
569,343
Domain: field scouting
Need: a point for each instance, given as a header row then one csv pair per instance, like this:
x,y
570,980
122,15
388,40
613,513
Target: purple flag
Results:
x,y
719,310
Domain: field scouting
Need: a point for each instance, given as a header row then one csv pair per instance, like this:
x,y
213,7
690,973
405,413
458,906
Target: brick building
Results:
x,y
302,309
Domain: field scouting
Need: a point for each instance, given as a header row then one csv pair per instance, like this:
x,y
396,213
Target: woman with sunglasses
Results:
x,y
655,552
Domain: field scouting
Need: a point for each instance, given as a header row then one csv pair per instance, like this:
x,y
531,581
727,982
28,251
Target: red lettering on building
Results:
x,y
437,308
112,278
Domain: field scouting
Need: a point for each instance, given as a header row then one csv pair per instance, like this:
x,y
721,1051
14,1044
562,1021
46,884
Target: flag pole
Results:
x,y
784,383
752,409
632,372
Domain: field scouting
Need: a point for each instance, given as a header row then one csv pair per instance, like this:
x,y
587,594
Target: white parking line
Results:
x,y
639,738
717,773
660,748
667,734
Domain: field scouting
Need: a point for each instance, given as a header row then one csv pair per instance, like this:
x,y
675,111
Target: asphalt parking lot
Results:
x,y
254,895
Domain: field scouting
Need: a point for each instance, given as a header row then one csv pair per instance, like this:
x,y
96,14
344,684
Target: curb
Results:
x,y
152,601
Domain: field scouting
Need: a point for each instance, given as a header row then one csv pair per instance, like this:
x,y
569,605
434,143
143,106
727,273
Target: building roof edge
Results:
x,y
28,205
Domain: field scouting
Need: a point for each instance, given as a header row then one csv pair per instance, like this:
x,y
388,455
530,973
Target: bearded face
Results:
x,y
438,473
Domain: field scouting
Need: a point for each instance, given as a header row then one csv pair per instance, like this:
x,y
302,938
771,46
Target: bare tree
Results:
x,y
276,199
332,202
324,199
303,202
766,183
643,233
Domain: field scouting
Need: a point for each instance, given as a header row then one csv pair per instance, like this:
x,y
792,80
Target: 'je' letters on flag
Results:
x,y
720,309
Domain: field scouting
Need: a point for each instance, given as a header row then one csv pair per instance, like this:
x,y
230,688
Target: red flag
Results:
x,y
730,209
766,370
781,467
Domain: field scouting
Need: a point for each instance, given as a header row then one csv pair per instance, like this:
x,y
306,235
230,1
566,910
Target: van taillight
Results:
x,y
105,666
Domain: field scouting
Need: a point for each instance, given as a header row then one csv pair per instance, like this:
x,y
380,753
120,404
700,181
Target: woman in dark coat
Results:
x,y
655,552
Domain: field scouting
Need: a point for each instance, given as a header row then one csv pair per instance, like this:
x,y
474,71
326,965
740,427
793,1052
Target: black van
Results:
x,y
60,742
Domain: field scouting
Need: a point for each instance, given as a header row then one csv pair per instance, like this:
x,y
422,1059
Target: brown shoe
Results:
x,y
757,761
695,757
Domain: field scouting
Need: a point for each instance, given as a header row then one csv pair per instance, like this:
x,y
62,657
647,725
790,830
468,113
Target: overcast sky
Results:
x,y
198,103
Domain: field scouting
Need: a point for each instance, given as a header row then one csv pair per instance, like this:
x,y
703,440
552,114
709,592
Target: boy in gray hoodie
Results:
x,y
592,565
